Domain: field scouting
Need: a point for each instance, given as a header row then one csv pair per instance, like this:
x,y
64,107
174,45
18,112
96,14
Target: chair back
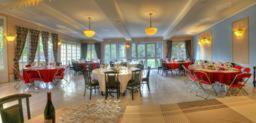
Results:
x,y
241,79
136,76
17,72
189,74
87,76
202,77
247,70
111,79
14,113
140,66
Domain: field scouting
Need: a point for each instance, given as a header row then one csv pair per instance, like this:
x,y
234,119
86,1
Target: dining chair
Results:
x,y
203,79
238,83
160,68
145,80
135,82
112,84
14,113
20,77
247,70
89,83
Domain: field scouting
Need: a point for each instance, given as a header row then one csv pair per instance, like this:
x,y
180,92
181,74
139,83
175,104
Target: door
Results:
x,y
151,54
3,53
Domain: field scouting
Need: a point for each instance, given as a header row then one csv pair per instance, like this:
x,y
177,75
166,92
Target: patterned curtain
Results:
x,y
188,48
55,40
84,50
98,50
169,49
20,44
45,39
34,39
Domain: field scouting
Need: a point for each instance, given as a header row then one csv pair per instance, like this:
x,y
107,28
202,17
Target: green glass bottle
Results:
x,y
49,111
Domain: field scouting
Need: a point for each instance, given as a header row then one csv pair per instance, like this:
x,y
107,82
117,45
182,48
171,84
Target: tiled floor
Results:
x,y
163,103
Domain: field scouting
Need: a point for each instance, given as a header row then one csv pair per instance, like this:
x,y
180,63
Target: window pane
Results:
x,y
50,50
159,50
107,53
73,52
141,50
63,54
68,53
78,51
178,50
113,52
151,63
122,51
150,50
133,53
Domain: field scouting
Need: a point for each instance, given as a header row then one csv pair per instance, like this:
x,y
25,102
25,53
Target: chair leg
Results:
x,y
91,93
106,94
84,91
216,94
132,93
140,91
148,85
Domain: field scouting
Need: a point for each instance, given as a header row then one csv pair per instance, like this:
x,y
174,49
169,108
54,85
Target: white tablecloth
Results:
x,y
124,76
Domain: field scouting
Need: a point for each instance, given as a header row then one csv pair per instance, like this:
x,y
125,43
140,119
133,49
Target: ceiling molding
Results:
x,y
178,19
113,12
241,10
64,18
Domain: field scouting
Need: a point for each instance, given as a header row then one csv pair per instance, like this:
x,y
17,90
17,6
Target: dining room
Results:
x,y
127,61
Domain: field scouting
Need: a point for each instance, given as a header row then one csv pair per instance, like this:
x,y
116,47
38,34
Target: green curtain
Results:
x,y
83,50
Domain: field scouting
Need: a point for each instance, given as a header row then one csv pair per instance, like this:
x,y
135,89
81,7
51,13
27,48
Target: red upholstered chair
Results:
x,y
189,74
238,67
238,83
203,79
247,70
28,65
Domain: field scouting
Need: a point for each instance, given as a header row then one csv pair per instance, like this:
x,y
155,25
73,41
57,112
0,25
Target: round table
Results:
x,y
124,76
222,76
177,65
45,74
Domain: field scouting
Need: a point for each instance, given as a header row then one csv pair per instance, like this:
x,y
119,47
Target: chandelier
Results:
x,y
89,32
24,3
150,31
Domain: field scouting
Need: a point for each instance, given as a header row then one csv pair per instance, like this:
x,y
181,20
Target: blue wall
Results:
x,y
222,37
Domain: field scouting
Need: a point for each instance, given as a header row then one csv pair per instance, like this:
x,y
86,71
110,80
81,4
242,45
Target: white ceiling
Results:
x,y
128,18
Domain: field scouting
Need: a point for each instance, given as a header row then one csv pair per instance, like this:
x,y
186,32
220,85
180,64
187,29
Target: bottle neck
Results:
x,y
49,96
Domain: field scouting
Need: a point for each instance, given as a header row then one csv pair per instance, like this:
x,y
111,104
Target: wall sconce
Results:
x,y
59,43
127,45
10,37
204,41
239,32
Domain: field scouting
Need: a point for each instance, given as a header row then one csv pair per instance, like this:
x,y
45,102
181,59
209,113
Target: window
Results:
x,y
149,53
50,51
91,53
178,50
69,52
115,51
40,52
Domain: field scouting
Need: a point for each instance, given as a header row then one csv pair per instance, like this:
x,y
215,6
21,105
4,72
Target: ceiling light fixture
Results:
x,y
89,32
150,31
25,3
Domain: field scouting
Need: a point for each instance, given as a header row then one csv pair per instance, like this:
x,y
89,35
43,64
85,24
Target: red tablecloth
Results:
x,y
225,77
42,74
176,65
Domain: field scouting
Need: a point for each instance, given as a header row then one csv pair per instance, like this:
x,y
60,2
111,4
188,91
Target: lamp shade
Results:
x,y
151,31
89,33
10,37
